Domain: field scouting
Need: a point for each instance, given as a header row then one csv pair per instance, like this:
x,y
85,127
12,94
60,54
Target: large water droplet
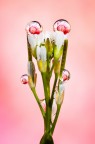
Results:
x,y
62,25
24,79
34,27
65,75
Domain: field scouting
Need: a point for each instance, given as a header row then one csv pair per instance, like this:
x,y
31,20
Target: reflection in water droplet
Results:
x,y
34,27
24,79
62,25
65,75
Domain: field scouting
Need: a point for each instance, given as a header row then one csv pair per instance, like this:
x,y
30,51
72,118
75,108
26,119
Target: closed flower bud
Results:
x,y
59,95
32,76
59,38
42,65
41,58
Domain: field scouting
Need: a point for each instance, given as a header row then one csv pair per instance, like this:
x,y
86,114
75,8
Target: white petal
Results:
x,y
47,35
32,40
38,51
40,38
43,53
59,38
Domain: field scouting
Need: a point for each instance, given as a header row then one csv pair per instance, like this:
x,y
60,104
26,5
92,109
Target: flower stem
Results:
x,y
38,101
46,84
64,56
52,68
54,86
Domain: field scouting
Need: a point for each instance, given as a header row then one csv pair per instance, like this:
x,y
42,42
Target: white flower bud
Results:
x,y
59,95
41,53
59,38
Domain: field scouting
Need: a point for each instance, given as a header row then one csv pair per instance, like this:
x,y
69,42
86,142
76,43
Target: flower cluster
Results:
x,y
47,45
50,51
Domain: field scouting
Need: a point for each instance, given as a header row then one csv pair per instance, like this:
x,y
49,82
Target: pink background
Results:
x,y
20,118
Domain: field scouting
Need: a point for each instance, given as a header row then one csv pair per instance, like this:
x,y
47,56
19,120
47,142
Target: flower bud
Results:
x,y
42,65
59,95
32,76
57,52
59,98
41,58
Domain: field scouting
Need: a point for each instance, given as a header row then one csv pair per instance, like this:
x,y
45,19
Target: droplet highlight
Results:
x,y
24,79
62,25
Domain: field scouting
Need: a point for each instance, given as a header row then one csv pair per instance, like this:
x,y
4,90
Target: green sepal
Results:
x,y
34,52
49,47
58,52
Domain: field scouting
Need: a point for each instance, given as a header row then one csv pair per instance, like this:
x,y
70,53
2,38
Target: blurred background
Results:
x,y
20,117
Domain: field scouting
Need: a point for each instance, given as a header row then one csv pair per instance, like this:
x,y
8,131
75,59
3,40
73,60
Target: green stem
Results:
x,y
46,84
52,68
38,101
54,86
64,56
56,118
46,88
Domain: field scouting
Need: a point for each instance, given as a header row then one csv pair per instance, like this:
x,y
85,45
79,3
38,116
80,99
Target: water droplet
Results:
x,y
34,27
65,75
62,25
24,79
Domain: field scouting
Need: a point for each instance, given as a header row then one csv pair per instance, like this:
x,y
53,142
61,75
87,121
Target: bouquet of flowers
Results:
x,y
50,50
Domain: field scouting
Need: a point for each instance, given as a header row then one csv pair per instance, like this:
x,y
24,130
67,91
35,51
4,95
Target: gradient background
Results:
x,y
20,118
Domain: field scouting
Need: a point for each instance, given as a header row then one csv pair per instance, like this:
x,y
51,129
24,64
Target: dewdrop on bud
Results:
x,y
34,27
24,79
65,75
62,25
